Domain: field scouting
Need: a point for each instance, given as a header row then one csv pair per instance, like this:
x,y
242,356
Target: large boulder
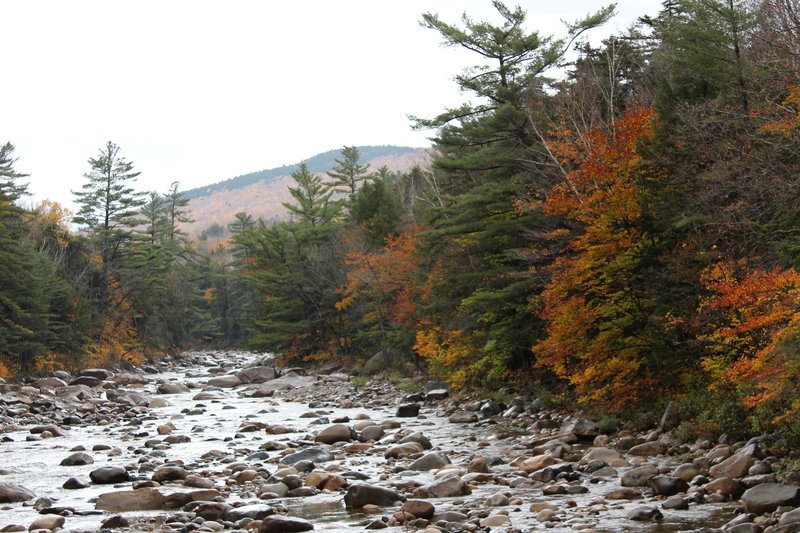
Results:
x,y
172,388
224,381
381,361
449,486
315,455
767,497
430,461
257,374
109,474
362,494
284,524
335,433
639,476
256,511
10,493
77,459
735,466
169,473
581,428
147,499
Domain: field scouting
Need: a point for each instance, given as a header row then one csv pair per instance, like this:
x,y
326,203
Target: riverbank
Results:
x,y
223,441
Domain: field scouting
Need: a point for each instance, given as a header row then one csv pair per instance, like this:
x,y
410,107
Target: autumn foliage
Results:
x,y
594,309
752,338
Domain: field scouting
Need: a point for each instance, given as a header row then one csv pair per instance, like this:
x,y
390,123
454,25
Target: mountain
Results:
x,y
262,193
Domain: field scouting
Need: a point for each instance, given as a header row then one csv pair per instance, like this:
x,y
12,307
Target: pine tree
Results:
x,y
109,207
315,205
348,175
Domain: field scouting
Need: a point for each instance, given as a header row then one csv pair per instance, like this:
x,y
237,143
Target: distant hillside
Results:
x,y
261,194
319,163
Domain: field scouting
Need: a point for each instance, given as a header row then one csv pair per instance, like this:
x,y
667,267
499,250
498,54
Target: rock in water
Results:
x,y
48,521
767,497
109,474
315,455
77,459
644,513
131,500
10,493
335,433
408,410
362,494
284,524
430,461
449,486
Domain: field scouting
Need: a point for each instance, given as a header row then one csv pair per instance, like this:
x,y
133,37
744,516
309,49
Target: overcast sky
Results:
x,y
199,91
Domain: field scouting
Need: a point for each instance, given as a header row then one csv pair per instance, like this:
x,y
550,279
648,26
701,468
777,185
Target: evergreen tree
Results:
x,y
478,310
23,305
348,175
109,207
314,198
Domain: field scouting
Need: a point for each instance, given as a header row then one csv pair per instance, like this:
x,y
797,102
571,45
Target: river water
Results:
x,y
35,465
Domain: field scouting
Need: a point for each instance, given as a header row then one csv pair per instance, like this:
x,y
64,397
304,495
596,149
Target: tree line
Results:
x,y
621,237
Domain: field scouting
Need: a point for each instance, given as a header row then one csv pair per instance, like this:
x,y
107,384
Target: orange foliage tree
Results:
x,y
753,335
381,288
596,310
116,338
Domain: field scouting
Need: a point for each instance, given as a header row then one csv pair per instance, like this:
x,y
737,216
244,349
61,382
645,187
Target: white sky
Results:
x,y
200,91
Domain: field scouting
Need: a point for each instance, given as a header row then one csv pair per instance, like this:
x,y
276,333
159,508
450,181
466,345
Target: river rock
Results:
x,y
10,493
335,433
537,463
767,497
643,513
581,428
77,459
284,524
53,429
89,381
256,511
74,483
98,373
686,471
362,494
430,461
115,522
419,438
408,448
198,482
668,485
723,486
735,466
48,521
625,493
224,381
172,388
463,417
169,473
315,455
407,410
257,374
147,499
109,474
639,476
212,510
607,455
371,433
449,486
419,508
49,383
648,448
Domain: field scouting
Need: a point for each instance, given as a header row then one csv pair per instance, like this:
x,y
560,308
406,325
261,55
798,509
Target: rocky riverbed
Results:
x,y
218,441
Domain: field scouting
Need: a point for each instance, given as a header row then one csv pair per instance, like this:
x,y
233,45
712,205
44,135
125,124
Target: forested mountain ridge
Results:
x,y
261,194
